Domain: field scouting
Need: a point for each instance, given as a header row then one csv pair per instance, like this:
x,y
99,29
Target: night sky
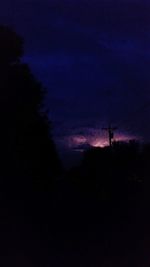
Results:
x,y
94,59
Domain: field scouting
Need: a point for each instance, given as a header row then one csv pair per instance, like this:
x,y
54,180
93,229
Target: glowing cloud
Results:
x,y
96,140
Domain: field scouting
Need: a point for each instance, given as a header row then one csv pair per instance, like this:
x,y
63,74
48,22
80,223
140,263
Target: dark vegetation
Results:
x,y
94,215
25,141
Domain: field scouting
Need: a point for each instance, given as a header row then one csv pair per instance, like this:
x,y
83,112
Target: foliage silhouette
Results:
x,y
27,152
116,174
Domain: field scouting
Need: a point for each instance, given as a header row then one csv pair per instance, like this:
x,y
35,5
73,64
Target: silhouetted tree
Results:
x,y
27,150
119,171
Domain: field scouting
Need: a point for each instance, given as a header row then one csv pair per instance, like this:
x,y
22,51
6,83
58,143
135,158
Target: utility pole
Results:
x,y
110,131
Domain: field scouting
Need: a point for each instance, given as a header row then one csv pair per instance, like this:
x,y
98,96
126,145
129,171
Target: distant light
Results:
x,y
99,143
95,140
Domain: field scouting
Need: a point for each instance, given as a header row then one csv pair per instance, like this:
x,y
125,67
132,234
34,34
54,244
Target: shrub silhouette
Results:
x,y
122,170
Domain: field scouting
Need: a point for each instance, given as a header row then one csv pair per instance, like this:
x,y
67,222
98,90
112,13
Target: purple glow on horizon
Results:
x,y
96,140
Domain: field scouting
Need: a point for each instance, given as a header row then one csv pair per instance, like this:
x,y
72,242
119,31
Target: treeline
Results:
x,y
114,174
28,155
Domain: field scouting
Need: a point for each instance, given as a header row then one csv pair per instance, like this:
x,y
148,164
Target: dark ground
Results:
x,y
65,226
